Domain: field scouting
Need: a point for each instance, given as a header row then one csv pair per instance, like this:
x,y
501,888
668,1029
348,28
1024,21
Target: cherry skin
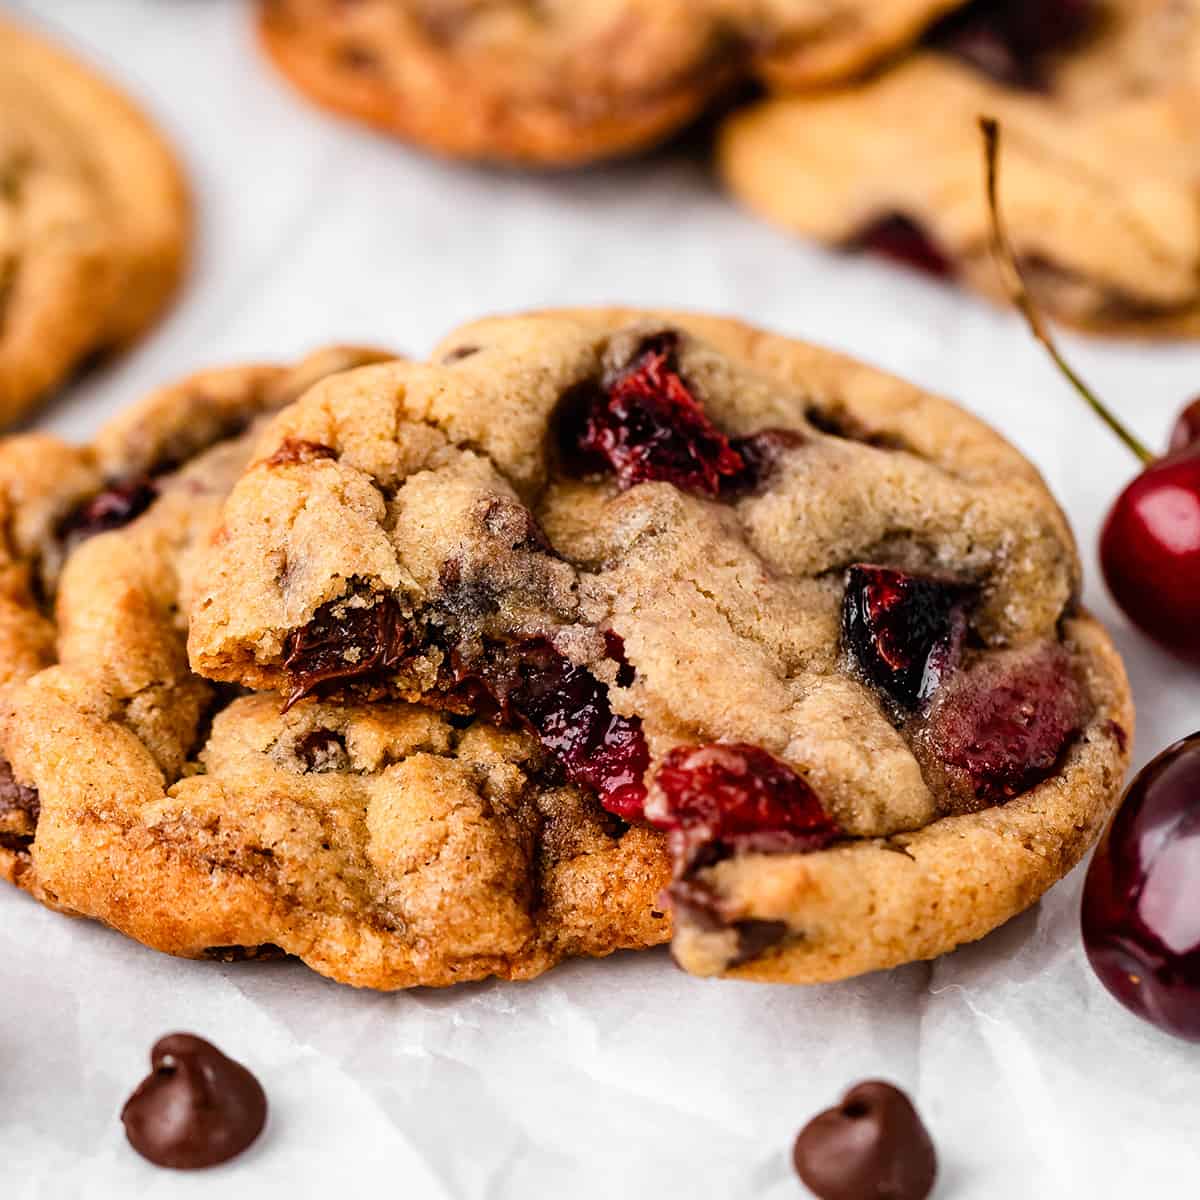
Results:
x,y
1185,434
1141,900
1150,552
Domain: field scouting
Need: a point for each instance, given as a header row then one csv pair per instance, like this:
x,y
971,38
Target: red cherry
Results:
x,y
1150,544
1141,900
1186,431
1150,552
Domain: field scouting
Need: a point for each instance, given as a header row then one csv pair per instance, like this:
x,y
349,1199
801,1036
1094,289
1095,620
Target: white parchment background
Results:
x,y
621,1078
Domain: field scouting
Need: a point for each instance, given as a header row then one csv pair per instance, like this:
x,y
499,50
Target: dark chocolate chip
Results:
x,y
458,354
756,937
296,450
322,750
16,797
196,1108
872,1146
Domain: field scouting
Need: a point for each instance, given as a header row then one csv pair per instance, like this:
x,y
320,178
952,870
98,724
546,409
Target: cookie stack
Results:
x,y
596,629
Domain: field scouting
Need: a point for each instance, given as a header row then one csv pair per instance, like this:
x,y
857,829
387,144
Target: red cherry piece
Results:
x,y
731,792
1186,432
1002,725
1141,900
904,241
904,631
1150,552
533,686
646,425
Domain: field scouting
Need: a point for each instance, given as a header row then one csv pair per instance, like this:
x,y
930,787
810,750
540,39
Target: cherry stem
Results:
x,y
1018,291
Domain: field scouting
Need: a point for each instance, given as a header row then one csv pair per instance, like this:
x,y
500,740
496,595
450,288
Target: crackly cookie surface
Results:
x,y
1101,169
94,218
568,81
386,845
792,611
158,471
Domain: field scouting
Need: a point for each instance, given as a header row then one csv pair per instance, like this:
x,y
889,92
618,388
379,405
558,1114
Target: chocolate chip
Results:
x,y
196,1108
16,797
872,1146
296,450
756,937
458,354
322,750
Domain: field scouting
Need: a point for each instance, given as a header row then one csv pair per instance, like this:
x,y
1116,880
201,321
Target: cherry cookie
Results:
x,y
820,628
386,845
94,219
1100,100
565,82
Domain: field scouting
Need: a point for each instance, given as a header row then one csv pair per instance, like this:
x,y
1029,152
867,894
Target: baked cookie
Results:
x,y
94,218
386,845
819,626
161,468
1102,168
570,81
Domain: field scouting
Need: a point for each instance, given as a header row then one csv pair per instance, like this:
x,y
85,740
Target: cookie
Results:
x,y
158,472
386,845
1100,176
568,82
820,627
94,219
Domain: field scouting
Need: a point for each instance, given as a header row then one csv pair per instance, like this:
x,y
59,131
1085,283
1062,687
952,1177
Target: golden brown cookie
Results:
x,y
158,471
1101,176
570,81
792,611
386,845
94,218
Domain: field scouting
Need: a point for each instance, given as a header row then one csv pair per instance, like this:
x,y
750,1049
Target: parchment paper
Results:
x,y
621,1078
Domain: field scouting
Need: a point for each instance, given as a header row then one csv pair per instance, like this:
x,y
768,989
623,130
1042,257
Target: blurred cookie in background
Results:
x,y
565,82
1102,172
94,219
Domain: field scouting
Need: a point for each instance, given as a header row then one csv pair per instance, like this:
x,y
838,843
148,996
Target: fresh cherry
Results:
x,y
1185,434
1150,543
1141,900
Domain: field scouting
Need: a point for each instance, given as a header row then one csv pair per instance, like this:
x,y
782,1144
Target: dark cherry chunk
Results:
x,y
346,641
532,686
872,1146
1010,41
904,631
1001,726
113,508
644,424
196,1108
739,797
902,240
